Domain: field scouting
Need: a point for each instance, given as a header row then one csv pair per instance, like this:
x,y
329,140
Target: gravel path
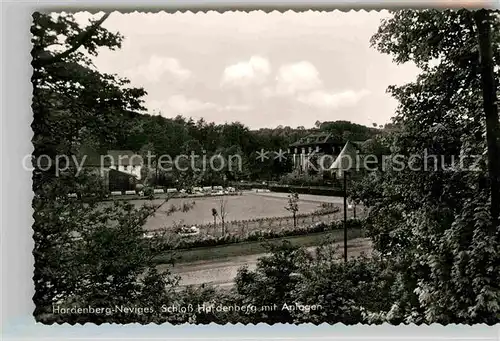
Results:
x,y
221,272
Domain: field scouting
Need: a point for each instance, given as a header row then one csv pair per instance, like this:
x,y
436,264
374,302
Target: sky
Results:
x,y
261,69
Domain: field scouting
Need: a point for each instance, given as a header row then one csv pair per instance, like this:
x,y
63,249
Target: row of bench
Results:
x,y
196,190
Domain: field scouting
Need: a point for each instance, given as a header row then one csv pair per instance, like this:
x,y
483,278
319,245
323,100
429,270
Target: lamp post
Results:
x,y
345,214
342,164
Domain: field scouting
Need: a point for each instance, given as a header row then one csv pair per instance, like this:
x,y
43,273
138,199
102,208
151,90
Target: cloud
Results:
x,y
253,71
157,66
235,107
206,44
332,100
294,78
302,81
297,77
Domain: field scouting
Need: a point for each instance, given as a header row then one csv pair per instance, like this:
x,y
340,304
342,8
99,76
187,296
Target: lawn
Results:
x,y
244,207
252,248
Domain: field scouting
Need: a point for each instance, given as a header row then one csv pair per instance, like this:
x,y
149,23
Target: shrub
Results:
x,y
346,291
148,191
302,180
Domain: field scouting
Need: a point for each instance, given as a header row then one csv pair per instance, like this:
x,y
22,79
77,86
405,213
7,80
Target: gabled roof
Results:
x,y
347,159
123,174
125,157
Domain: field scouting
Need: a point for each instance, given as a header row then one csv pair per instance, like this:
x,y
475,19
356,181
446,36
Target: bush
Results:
x,y
302,180
148,191
315,190
347,292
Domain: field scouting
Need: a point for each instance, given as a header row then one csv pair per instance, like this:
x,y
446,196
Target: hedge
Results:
x,y
315,190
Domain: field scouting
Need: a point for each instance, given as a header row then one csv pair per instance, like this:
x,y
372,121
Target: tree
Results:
x,y
86,252
348,292
71,99
223,213
214,214
293,206
290,279
483,23
433,221
271,284
345,130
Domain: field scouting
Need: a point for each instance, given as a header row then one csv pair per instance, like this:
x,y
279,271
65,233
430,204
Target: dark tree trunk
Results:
x,y
156,174
482,18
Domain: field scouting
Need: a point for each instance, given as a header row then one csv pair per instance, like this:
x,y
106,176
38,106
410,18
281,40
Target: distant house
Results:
x,y
125,161
120,181
124,169
120,169
317,151
317,144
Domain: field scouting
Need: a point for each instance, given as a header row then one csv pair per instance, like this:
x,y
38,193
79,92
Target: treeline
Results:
x,y
158,135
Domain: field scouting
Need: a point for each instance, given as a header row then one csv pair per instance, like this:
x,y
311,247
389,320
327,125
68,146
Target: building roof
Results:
x,y
360,145
348,159
122,174
316,138
124,157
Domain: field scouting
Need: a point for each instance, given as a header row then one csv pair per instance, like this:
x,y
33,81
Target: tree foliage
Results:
x,y
305,287
271,284
72,101
345,131
432,218
86,253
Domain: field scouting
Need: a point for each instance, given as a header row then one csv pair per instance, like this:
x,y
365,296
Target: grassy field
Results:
x,y
247,206
251,248
238,208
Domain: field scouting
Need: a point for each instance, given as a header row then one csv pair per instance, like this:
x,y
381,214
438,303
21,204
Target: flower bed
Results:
x,y
326,213
271,221
209,240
